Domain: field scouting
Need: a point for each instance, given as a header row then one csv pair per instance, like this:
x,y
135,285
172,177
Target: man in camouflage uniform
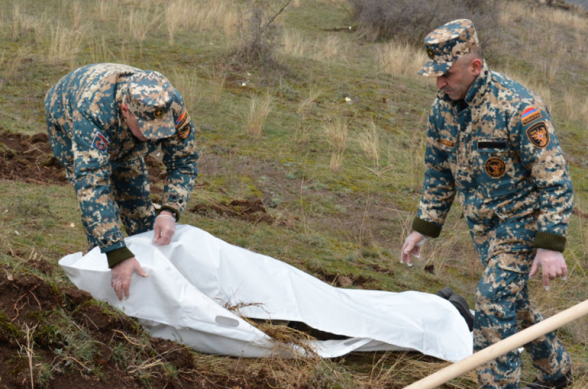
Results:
x,y
102,120
490,141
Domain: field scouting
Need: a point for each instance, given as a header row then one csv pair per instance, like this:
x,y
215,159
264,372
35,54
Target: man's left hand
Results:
x,y
164,228
552,263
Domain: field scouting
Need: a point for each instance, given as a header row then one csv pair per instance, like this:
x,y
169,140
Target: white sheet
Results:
x,y
193,278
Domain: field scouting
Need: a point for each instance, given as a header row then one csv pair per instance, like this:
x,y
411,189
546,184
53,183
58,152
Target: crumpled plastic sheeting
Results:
x,y
197,275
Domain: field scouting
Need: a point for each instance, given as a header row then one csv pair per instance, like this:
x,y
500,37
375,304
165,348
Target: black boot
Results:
x,y
445,293
462,306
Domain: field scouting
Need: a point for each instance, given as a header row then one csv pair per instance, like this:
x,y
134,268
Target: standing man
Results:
x,y
491,141
102,120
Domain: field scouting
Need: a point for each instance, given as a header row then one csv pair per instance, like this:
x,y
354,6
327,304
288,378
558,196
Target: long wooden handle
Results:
x,y
502,347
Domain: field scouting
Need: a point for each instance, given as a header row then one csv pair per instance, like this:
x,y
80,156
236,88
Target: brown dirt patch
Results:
x,y
48,327
30,159
343,280
249,210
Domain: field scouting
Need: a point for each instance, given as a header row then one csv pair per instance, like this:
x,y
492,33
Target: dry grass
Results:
x,y
65,44
336,135
401,59
307,103
202,16
369,141
259,109
296,45
186,83
140,22
219,78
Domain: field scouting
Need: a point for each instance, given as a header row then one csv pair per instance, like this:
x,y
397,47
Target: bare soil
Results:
x,y
34,321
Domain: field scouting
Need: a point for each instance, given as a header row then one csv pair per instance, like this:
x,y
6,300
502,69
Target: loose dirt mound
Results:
x,y
252,211
62,337
30,159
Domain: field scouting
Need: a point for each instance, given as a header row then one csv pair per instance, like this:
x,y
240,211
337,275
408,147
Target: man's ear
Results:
x,y
476,67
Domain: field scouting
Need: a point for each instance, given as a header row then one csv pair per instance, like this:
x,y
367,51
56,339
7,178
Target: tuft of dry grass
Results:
x,y
187,83
140,22
201,16
401,59
259,109
219,78
336,134
294,44
65,44
369,141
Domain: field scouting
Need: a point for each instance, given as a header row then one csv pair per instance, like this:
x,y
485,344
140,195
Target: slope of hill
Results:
x,y
324,134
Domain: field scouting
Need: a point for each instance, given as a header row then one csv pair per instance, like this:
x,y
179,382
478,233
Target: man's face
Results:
x,y
458,79
132,124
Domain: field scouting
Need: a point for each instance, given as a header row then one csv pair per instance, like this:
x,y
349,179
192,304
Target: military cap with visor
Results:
x,y
447,44
149,97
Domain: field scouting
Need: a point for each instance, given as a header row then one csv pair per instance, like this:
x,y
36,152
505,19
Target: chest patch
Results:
x,y
530,115
538,135
495,167
100,142
447,142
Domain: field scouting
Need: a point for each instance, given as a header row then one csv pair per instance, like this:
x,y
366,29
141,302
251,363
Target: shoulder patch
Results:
x,y
183,127
530,115
538,134
495,167
100,142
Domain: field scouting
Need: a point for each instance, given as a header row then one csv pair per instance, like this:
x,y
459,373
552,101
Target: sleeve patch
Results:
x,y
538,135
530,115
100,142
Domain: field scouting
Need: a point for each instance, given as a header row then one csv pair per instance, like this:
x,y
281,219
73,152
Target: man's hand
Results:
x,y
164,228
120,276
553,265
412,245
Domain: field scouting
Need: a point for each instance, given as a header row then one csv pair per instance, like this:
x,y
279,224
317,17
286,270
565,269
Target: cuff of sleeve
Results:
x,y
549,241
426,228
170,209
117,256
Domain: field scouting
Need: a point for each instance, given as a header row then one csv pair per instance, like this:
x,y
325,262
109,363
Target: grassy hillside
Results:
x,y
327,130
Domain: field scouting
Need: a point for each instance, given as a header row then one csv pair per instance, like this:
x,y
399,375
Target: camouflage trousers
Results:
x,y
502,302
129,181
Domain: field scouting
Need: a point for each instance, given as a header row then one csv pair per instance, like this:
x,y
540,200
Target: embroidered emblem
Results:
x,y
447,142
100,142
184,133
495,167
538,135
181,120
158,113
430,53
530,115
183,127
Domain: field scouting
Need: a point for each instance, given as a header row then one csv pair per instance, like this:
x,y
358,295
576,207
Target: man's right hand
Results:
x,y
412,246
121,274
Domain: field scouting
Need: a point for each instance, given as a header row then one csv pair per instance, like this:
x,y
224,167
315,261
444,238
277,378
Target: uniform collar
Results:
x,y
477,91
481,85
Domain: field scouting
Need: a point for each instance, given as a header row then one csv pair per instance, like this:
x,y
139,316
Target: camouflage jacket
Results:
x,y
85,106
497,150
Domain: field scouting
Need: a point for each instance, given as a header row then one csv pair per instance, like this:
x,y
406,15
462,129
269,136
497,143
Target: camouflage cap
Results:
x,y
447,44
149,98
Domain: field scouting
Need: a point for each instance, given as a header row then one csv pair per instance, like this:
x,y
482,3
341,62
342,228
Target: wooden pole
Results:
x,y
513,342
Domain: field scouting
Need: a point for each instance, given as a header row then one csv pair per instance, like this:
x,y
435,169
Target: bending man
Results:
x,y
102,120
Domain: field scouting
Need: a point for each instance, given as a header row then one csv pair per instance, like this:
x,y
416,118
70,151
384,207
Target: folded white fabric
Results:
x,y
193,278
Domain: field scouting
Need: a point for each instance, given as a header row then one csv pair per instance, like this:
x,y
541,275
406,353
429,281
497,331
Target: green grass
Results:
x,y
338,223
